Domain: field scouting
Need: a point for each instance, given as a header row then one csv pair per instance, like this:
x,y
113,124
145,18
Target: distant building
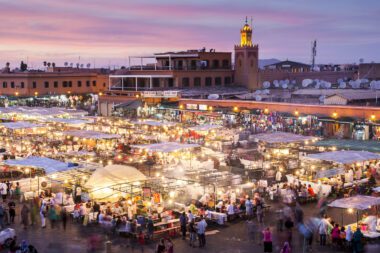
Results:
x,y
290,66
369,71
39,83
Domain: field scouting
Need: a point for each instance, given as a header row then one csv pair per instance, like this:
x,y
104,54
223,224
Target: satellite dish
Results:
x,y
258,98
327,85
294,82
372,84
276,83
340,80
377,86
342,85
266,84
213,96
258,92
317,86
306,82
321,99
267,92
284,85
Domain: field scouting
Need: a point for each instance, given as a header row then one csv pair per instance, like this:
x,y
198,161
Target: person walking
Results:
x,y
357,244
169,246
161,246
183,222
192,233
52,214
64,218
25,216
2,212
12,211
322,230
267,240
201,230
3,190
150,228
259,212
43,215
248,208
349,236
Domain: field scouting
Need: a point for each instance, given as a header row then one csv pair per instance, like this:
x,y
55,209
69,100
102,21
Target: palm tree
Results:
x,y
53,64
45,63
49,64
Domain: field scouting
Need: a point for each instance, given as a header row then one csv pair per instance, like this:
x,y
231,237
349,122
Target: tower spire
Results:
x,y
246,19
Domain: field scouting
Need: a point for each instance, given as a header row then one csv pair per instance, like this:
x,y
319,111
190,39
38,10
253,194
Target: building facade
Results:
x,y
28,84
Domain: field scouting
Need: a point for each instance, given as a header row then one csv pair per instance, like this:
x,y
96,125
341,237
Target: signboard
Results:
x,y
147,192
203,107
329,173
191,106
160,94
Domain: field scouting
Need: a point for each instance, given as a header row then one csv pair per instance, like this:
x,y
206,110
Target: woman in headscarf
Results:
x,y
349,235
357,244
25,216
286,248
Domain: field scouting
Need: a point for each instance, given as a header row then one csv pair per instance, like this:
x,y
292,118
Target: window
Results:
x,y
94,83
170,82
46,84
227,80
226,64
79,83
12,85
185,82
215,64
208,81
156,82
5,85
64,84
70,84
218,81
197,81
88,83
104,84
55,84
34,85
22,85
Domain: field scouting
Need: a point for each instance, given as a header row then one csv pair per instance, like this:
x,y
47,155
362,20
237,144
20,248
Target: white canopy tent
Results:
x,y
358,202
86,134
344,157
165,147
49,165
67,121
154,123
281,137
20,125
204,128
104,179
42,112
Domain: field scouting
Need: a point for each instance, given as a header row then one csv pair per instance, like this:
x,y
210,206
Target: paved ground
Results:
x,y
230,239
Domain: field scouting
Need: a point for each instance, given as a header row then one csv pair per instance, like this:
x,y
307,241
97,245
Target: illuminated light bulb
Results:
x,y
350,210
171,194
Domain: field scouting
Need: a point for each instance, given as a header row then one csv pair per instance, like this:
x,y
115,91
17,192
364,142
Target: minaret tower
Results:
x,y
247,60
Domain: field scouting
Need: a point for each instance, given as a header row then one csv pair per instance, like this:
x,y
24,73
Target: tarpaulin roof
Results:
x,y
359,202
282,137
114,174
165,147
344,157
153,123
204,127
49,165
91,134
20,125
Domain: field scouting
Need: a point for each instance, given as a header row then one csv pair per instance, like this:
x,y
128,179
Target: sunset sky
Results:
x,y
108,31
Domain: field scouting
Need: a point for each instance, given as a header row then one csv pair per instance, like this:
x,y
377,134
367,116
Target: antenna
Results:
x,y
251,22
246,19
313,53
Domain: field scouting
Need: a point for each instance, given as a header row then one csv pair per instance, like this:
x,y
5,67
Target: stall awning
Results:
x,y
94,135
20,125
112,175
67,121
134,104
49,165
282,137
165,147
358,202
205,128
344,157
154,123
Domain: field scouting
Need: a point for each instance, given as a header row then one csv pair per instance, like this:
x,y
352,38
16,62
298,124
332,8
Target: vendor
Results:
x,y
371,221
